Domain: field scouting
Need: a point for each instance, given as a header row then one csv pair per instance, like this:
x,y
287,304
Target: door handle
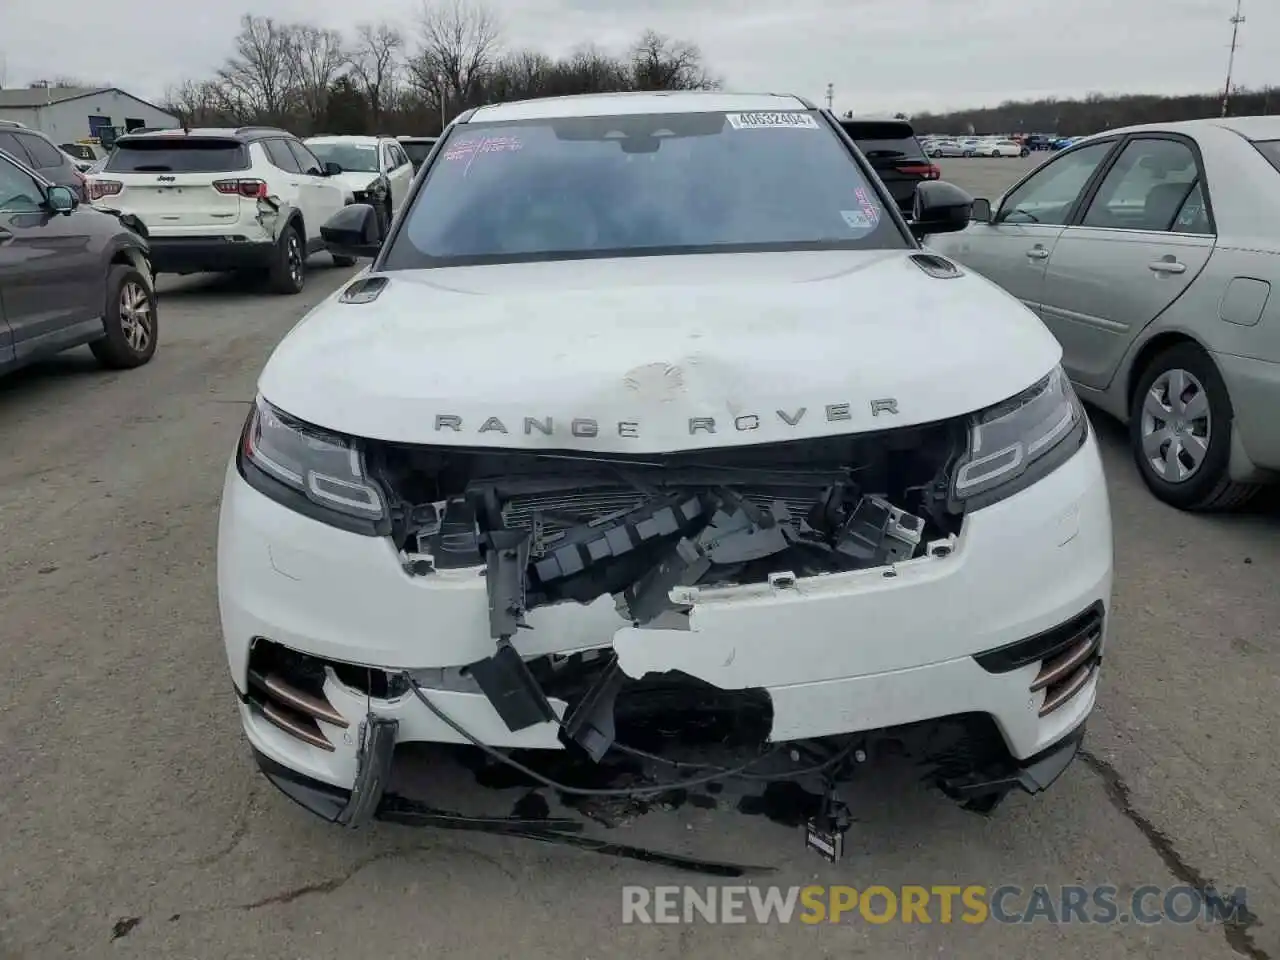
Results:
x,y
5,235
1038,253
1167,266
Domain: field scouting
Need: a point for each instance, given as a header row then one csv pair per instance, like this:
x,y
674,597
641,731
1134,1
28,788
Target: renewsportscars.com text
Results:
x,y
971,904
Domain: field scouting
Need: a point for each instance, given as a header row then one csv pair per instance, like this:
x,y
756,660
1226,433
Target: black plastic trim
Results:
x,y
1032,775
1043,645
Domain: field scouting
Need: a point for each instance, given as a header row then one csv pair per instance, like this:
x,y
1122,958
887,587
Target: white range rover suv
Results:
x,y
250,199
655,404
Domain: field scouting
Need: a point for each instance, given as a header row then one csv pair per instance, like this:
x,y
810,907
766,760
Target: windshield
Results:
x,y
1269,149
640,185
351,157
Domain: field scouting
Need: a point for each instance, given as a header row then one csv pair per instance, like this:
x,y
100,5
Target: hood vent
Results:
x,y
364,290
940,268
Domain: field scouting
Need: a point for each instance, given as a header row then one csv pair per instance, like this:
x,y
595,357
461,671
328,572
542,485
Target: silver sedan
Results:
x,y
1151,253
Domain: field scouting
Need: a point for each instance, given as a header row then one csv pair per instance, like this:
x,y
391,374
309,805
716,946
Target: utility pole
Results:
x,y
831,92
1231,59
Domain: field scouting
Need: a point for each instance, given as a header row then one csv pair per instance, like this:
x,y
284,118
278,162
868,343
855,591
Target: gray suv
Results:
x,y
33,149
69,275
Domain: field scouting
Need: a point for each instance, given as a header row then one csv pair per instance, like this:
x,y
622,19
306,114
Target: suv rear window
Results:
x,y
1269,149
885,141
44,153
417,149
178,155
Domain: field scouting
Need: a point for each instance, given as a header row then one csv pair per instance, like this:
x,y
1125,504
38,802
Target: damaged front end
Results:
x,y
550,528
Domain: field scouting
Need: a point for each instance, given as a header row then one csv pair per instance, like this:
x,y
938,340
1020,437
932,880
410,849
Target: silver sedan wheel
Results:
x,y
1176,426
136,319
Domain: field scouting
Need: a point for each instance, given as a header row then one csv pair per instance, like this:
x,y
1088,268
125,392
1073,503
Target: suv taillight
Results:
x,y
104,188
928,171
252,189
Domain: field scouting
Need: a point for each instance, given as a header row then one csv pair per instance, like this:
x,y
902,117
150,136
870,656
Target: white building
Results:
x,y
68,114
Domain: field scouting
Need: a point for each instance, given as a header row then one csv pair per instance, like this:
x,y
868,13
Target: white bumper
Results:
x,y
838,653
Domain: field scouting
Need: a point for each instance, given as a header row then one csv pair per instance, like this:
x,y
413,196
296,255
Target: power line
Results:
x,y
1231,59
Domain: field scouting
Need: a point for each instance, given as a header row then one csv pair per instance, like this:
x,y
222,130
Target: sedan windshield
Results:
x,y
641,185
351,157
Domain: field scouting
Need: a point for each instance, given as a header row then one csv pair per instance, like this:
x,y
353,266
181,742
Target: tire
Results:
x,y
131,322
1207,486
995,154
936,154
343,261
288,274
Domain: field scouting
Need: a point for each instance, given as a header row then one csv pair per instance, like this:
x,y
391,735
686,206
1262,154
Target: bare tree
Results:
x,y
458,43
660,63
260,77
375,61
316,60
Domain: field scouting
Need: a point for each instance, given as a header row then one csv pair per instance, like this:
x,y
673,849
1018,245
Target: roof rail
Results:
x,y
12,123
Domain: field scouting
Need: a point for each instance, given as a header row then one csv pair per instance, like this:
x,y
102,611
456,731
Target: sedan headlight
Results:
x,y
1015,443
315,472
377,189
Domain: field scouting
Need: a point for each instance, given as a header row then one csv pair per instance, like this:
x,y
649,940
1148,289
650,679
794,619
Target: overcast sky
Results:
x,y
906,55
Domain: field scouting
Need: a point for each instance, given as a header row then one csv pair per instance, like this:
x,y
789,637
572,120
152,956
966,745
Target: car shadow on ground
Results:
x,y
194,286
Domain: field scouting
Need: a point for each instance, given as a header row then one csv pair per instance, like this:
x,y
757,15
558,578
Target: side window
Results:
x,y
307,161
44,153
1194,215
388,158
1149,184
10,145
18,192
402,158
1052,191
281,156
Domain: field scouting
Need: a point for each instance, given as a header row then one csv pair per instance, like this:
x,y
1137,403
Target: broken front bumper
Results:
x,y
839,653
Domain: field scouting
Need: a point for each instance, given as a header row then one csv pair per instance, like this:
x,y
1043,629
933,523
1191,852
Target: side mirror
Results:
x,y
939,207
980,212
61,199
354,231
332,169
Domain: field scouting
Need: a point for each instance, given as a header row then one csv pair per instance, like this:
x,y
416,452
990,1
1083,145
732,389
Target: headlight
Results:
x,y
1015,443
377,189
315,472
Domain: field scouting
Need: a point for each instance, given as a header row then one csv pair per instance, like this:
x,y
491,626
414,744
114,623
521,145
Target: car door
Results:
x,y
1141,239
399,173
50,277
1013,249
321,196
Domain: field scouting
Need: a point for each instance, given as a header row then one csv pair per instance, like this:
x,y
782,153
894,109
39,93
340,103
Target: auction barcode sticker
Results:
x,y
769,121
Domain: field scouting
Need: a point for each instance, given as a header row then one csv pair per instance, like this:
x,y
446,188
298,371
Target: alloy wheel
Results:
x,y
136,316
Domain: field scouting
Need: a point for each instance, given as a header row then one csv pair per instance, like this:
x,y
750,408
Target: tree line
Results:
x,y
382,78
1095,113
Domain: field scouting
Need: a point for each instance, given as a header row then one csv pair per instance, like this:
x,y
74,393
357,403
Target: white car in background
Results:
x,y
581,445
1003,148
245,199
377,170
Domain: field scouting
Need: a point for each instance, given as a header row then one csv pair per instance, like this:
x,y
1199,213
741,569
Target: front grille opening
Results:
x,y
638,526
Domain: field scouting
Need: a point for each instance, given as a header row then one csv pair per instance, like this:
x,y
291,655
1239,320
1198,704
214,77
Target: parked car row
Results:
x,y
974,147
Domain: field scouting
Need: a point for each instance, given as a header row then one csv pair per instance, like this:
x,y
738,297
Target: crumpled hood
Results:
x,y
355,182
658,353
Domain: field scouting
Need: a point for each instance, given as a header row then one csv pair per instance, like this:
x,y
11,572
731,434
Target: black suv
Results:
x,y
894,152
33,149
418,149
69,275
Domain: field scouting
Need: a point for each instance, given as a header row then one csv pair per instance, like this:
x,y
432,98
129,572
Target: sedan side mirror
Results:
x,y
980,212
939,207
332,169
61,200
354,231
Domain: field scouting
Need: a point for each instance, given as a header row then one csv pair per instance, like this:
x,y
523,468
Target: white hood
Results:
x,y
658,353
355,182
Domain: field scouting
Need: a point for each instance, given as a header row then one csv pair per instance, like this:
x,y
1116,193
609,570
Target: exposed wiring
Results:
x,y
822,767
719,773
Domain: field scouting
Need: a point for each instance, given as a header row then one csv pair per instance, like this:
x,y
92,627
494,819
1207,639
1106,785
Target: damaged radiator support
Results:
x,y
692,535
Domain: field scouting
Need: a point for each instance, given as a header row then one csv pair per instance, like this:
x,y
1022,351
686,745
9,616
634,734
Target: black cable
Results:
x,y
563,788
766,777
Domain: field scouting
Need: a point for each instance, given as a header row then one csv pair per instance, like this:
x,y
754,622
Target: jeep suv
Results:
x,y
895,154
249,199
